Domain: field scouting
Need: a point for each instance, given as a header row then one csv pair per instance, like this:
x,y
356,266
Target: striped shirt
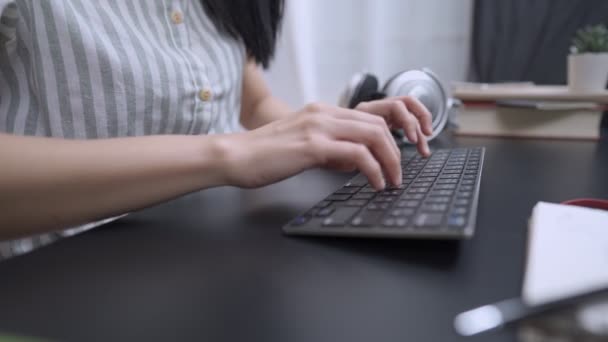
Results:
x,y
83,69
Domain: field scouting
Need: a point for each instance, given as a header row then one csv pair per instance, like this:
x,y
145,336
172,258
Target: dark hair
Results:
x,y
255,22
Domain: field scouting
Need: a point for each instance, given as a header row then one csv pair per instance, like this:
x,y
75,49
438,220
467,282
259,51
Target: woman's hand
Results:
x,y
407,113
325,136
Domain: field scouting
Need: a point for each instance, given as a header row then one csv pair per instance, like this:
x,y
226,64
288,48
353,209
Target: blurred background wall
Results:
x,y
324,42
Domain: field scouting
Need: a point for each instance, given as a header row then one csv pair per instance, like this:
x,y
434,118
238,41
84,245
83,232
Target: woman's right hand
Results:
x,y
317,136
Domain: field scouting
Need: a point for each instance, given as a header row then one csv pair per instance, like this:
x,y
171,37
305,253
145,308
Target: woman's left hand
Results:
x,y
404,112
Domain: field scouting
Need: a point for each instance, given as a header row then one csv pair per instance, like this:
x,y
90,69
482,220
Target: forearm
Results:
x,y
267,110
50,184
258,106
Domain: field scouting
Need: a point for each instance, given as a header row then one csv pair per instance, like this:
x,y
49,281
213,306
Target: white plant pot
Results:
x,y
587,72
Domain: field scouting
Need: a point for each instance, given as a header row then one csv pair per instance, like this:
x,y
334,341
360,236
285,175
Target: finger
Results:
x,y
350,114
423,145
396,112
421,112
344,152
371,136
342,166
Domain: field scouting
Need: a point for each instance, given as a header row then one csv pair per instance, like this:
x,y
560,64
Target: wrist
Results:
x,y
219,158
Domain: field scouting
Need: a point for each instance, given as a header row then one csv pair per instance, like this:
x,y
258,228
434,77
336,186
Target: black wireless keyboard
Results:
x,y
437,200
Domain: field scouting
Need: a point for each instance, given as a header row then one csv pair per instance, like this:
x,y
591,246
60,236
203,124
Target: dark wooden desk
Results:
x,y
214,266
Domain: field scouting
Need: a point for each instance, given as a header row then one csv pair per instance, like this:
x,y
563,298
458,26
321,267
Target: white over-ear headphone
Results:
x,y
422,84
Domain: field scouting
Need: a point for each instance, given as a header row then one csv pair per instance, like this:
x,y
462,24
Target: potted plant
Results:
x,y
588,60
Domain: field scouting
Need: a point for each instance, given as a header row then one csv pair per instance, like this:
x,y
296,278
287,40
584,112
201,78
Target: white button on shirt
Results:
x,y
205,95
88,70
177,17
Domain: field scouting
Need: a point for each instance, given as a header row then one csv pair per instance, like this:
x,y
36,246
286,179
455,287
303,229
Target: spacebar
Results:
x,y
340,216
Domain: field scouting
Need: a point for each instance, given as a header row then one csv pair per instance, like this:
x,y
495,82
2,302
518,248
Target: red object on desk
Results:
x,y
589,203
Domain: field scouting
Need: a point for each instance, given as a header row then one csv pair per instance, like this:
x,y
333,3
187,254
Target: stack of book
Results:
x,y
527,110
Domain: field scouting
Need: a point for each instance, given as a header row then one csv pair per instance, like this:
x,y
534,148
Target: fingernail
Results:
x,y
414,138
397,181
382,184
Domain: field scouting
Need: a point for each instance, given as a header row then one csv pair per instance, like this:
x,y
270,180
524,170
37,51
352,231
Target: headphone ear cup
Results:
x,y
388,86
427,88
362,87
367,90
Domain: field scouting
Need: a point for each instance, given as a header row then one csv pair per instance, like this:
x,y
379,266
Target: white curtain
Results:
x,y
324,42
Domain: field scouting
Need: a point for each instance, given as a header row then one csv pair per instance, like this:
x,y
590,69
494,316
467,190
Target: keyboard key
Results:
x,y
431,170
438,199
402,212
461,202
356,203
401,222
408,204
434,208
338,197
418,191
441,193
359,180
459,211
465,194
428,220
447,181
364,196
466,188
413,196
347,190
429,174
385,199
418,184
445,187
325,212
388,222
340,216
467,182
366,218
456,221
323,204
300,220
367,190
378,206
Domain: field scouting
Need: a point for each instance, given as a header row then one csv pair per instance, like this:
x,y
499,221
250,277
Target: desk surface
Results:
x,y
214,266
